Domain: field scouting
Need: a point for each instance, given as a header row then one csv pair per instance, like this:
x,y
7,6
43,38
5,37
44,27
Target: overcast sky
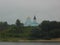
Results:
x,y
10,10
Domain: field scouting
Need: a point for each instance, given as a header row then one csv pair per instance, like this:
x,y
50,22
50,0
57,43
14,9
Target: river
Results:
x,y
29,43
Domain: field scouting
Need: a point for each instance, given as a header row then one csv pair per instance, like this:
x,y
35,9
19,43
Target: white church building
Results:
x,y
31,23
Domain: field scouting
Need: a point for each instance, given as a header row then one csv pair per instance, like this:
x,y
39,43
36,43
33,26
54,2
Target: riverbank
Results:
x,y
21,40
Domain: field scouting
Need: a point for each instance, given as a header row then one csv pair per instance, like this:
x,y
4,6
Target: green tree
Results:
x,y
3,25
18,23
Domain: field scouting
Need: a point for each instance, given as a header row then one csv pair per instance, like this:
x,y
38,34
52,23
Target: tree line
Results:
x,y
45,30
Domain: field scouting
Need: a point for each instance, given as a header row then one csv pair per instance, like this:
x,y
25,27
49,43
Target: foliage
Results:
x,y
45,30
18,23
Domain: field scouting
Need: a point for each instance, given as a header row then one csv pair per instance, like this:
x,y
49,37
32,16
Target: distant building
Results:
x,y
28,22
31,23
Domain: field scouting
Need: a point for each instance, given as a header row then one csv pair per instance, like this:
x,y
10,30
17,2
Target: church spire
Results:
x,y
34,17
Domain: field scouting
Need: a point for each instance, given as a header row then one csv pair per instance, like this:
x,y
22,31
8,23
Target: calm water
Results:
x,y
28,43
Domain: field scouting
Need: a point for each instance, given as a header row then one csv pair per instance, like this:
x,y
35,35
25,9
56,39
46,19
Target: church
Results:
x,y
31,23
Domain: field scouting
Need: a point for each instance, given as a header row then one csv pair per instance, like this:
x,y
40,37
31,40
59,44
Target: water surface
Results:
x,y
29,43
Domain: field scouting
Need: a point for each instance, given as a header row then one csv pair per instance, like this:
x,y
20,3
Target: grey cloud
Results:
x,y
10,10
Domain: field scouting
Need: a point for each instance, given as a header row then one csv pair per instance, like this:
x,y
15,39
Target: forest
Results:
x,y
46,30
